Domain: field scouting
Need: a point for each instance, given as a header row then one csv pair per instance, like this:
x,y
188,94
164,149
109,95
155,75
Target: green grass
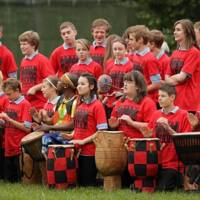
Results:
x,y
33,192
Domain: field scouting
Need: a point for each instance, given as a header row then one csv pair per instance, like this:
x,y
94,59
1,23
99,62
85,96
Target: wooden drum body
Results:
x,y
188,147
144,159
110,157
32,145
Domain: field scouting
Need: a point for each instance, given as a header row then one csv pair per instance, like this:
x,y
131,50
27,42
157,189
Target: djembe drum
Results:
x,y
32,160
62,165
110,157
144,160
188,149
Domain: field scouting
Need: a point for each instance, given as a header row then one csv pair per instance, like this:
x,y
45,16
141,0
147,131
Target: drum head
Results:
x,y
144,139
61,146
186,134
32,137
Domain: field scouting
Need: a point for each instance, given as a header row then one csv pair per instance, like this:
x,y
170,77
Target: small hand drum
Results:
x,y
104,83
32,144
188,147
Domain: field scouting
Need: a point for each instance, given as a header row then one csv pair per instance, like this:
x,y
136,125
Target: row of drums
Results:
x,y
113,155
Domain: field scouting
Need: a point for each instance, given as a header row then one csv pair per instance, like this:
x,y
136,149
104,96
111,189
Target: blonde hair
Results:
x,y
101,22
83,42
67,24
31,37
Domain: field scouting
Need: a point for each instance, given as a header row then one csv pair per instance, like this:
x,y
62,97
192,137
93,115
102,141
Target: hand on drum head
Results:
x,y
43,127
113,122
194,121
67,136
80,142
146,132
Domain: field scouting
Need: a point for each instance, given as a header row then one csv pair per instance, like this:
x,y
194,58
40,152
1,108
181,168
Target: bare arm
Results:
x,y
176,79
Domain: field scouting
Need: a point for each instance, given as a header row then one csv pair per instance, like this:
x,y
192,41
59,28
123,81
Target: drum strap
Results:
x,y
22,170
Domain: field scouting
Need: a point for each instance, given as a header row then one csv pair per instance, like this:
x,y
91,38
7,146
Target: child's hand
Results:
x,y
4,116
126,118
31,91
35,115
67,136
80,142
113,122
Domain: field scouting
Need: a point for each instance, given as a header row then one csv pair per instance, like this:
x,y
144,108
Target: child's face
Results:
x,y
47,90
83,87
179,34
68,35
133,43
130,89
164,99
99,34
119,50
197,34
12,94
82,52
26,48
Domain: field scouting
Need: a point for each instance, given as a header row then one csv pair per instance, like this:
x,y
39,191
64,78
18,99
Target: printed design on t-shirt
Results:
x,y
13,115
127,110
163,134
138,66
80,72
29,74
81,119
176,65
117,78
67,61
98,58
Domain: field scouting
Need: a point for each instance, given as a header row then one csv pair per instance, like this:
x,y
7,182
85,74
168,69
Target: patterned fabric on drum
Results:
x,y
61,167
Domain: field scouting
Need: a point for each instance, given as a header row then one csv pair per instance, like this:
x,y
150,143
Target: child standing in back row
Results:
x,y
100,29
64,56
33,69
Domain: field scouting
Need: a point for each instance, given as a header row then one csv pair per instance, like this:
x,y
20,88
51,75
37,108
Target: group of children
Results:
x,y
151,93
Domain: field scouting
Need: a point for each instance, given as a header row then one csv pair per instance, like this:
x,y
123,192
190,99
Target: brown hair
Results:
x,y
157,37
85,43
189,32
139,31
67,24
101,22
108,51
197,25
31,37
52,81
12,83
140,83
169,89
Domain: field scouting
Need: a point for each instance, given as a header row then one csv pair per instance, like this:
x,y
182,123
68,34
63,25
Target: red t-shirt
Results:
x,y
32,72
188,92
88,119
92,68
163,62
117,72
7,62
179,122
19,112
140,112
62,59
148,65
3,103
97,53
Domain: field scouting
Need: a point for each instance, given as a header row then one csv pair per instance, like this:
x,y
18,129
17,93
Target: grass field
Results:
x,y
33,192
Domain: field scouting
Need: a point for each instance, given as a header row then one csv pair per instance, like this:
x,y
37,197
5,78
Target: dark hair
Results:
x,y
169,89
92,81
157,37
12,83
140,83
189,32
52,81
